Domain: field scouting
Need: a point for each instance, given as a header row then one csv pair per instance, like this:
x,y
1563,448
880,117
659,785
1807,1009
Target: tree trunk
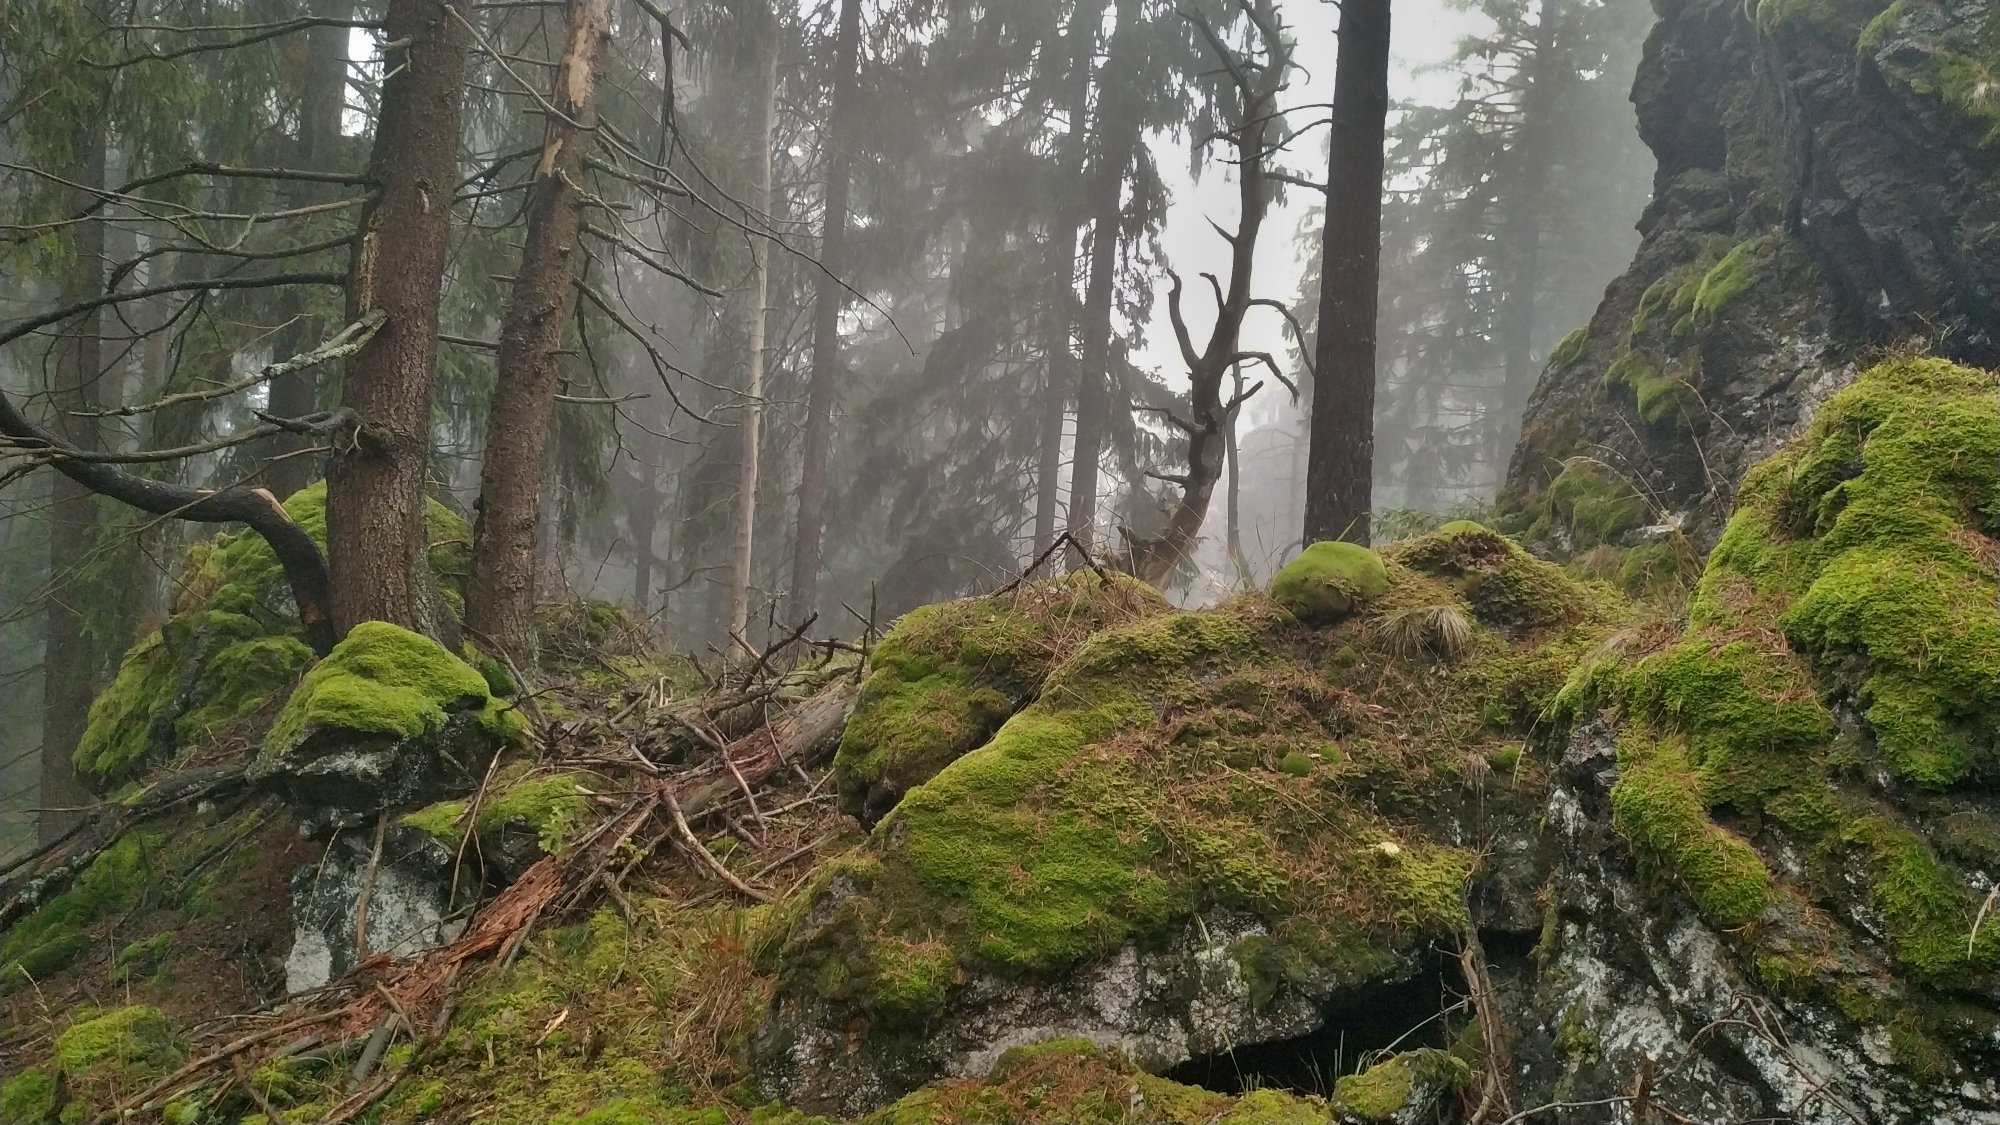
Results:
x,y
1060,373
1117,139
500,598
1521,238
1340,473
828,298
322,99
376,491
68,659
753,359
1234,458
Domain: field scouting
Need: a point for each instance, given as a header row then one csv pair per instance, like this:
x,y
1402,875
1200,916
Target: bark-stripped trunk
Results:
x,y
753,359
1253,122
322,99
828,298
1521,237
500,598
1059,318
1340,472
1118,117
67,657
376,490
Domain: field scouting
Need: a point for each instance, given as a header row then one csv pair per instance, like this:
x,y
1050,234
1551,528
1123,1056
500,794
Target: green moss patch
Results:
x,y
47,941
1387,1090
385,680
947,676
1328,580
100,1057
1065,1081
552,807
1657,807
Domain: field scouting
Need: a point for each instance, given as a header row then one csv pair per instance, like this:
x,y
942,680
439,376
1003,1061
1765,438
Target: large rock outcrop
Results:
x,y
1741,854
1825,187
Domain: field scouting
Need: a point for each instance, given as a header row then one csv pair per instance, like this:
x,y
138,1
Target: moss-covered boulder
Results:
x,y
1206,829
388,720
947,676
1403,1089
1328,580
209,679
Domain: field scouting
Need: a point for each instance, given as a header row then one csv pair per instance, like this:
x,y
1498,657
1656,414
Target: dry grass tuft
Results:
x,y
1441,632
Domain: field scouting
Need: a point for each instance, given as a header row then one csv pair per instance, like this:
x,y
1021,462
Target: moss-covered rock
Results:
x,y
388,717
1208,787
101,1057
1070,1082
232,646
1328,580
1403,1088
947,676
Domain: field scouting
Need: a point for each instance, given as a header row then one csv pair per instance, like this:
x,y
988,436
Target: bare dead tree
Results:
x,y
1255,76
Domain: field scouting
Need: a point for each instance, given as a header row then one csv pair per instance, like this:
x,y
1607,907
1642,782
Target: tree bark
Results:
x,y
377,487
322,99
1340,472
1118,116
1234,459
828,298
500,598
753,359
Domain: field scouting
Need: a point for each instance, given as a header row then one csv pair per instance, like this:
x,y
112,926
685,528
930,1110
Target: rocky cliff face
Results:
x,y
1825,189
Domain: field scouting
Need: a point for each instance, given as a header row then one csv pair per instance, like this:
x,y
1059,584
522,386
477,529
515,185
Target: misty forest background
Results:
x,y
896,272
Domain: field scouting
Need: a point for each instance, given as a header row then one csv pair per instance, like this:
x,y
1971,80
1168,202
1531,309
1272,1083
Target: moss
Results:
x,y
29,1098
143,958
1134,794
552,807
1381,1092
1665,565
1592,506
1659,395
1274,1107
1066,1081
1970,837
1657,807
1896,483
1956,69
1577,1039
1570,349
947,676
1751,718
384,679
1505,586
1328,580
49,939
1925,907
100,1057
1744,266
1506,758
